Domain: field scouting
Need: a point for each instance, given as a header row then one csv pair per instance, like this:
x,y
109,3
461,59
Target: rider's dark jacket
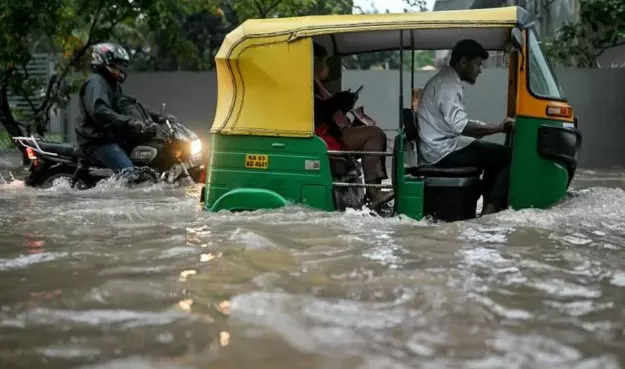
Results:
x,y
102,121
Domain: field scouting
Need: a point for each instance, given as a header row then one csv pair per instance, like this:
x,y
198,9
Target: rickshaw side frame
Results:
x,y
539,179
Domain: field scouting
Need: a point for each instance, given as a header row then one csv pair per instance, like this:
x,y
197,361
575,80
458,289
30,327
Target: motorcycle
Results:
x,y
173,156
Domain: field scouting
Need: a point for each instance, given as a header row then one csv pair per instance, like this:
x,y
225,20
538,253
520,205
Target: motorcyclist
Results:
x,y
104,129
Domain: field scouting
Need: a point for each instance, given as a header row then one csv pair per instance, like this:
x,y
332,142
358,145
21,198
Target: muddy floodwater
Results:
x,y
117,278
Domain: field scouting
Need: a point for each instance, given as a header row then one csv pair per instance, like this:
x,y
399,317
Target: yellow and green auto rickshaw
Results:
x,y
264,154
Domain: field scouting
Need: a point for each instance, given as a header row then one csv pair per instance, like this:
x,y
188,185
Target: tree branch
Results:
x,y
605,48
46,104
25,94
272,6
94,22
259,8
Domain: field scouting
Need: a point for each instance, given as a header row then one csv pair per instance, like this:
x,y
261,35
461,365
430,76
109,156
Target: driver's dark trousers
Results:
x,y
494,159
111,155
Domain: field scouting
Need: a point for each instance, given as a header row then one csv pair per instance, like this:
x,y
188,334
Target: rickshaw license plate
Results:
x,y
255,161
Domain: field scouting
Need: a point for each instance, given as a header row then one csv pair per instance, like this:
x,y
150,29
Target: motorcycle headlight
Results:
x,y
196,147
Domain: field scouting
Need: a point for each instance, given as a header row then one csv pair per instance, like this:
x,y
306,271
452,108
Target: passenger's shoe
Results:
x,y
381,199
489,209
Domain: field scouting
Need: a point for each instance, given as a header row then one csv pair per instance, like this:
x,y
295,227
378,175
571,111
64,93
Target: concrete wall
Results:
x,y
597,96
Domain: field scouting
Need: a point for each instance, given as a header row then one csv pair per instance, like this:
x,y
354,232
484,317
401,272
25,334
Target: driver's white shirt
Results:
x,y
442,117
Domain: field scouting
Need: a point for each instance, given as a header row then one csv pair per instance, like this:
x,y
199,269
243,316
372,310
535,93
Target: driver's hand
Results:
x,y
151,128
141,127
137,126
507,124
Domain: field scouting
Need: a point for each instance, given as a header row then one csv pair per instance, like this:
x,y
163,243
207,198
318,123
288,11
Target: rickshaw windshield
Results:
x,y
542,80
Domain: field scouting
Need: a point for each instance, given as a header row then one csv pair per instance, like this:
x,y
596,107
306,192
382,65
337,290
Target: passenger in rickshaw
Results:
x,y
416,96
332,125
447,137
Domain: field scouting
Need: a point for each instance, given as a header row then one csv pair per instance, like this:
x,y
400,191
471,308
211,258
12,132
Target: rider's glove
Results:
x,y
141,127
162,118
151,129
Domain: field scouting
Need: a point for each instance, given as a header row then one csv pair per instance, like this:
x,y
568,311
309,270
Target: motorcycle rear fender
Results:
x,y
56,159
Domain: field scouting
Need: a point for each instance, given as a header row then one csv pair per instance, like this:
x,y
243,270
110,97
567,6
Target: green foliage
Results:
x,y
190,37
249,9
601,25
65,29
390,59
161,35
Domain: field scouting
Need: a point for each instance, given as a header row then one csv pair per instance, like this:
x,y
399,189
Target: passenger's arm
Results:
x,y
453,111
321,90
99,107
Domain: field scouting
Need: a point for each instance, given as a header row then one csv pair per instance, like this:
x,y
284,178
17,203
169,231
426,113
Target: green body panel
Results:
x,y
408,190
534,182
298,171
229,184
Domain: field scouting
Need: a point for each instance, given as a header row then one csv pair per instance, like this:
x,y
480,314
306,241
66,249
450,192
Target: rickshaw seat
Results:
x,y
410,120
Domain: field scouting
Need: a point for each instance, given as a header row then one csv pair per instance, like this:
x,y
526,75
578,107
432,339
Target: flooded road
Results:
x,y
115,278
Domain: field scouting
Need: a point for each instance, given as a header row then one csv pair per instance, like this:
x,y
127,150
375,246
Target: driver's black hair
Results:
x,y
469,49
319,51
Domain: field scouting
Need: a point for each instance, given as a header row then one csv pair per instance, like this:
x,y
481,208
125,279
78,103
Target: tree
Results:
x,y
601,25
191,36
390,59
184,38
65,29
21,28
254,9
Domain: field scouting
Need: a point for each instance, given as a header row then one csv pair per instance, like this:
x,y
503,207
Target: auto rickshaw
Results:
x,y
264,153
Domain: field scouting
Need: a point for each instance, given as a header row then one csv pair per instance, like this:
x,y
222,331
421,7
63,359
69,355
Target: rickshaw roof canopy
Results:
x,y
362,33
265,66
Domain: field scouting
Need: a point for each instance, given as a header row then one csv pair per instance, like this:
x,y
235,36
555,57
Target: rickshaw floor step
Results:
x,y
361,185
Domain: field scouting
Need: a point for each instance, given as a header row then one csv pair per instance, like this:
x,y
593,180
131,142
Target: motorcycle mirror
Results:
x,y
163,108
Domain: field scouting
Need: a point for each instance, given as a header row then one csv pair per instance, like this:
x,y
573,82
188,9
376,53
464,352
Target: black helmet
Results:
x,y
111,58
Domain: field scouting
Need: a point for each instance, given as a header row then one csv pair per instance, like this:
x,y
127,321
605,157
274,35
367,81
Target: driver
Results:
x,y
447,137
103,130
361,138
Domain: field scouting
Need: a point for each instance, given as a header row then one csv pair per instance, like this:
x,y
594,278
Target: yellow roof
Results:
x,y
359,22
329,24
264,66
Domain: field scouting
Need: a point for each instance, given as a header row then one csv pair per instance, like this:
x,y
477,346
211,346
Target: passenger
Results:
x,y
447,137
416,96
361,138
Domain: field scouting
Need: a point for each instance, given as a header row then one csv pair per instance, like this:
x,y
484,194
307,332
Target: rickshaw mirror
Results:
x,y
516,38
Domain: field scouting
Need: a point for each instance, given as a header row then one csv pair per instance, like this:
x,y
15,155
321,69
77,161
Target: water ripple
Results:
x,y
141,278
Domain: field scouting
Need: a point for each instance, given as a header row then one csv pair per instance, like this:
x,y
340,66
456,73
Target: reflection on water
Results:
x,y
114,278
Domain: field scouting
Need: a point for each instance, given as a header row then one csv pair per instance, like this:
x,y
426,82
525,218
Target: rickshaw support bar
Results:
x,y
361,185
372,153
